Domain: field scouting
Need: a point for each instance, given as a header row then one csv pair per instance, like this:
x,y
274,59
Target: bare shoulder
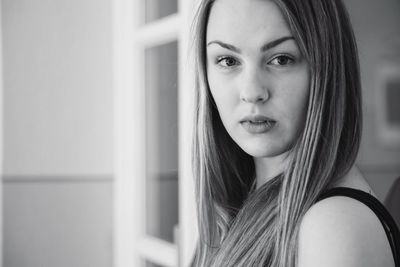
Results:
x,y
341,231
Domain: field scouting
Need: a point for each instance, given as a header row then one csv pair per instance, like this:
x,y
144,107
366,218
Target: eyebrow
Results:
x,y
264,48
224,45
276,42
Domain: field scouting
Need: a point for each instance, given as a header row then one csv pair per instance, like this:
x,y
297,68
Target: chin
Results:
x,y
262,151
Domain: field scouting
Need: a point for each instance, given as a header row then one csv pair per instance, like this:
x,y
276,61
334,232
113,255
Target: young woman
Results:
x,y
277,131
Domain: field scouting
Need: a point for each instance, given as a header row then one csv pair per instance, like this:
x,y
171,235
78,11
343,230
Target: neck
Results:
x,y
269,167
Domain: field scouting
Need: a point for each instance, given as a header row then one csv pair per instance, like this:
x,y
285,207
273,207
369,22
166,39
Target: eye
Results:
x,y
227,62
281,60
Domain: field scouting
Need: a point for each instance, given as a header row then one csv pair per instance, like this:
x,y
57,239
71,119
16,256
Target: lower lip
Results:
x,y
258,127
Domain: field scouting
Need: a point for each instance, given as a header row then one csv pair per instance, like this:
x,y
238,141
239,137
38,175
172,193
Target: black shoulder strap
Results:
x,y
390,226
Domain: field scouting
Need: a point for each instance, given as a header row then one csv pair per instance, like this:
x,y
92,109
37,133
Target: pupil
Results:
x,y
230,62
282,60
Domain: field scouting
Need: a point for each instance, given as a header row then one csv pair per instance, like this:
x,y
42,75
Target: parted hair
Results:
x,y
242,226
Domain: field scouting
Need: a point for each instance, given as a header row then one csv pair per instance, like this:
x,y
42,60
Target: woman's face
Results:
x,y
257,75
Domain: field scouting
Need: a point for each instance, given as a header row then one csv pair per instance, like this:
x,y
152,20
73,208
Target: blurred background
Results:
x,y
95,125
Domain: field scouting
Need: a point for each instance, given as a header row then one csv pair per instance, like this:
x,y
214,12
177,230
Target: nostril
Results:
x,y
254,96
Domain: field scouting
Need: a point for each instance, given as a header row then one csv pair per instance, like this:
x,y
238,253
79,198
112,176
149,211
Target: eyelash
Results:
x,y
223,59
286,57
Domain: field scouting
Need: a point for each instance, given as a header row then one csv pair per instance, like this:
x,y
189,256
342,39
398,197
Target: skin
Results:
x,y
246,79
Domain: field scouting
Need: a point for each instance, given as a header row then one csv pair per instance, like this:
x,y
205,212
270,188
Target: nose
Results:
x,y
254,88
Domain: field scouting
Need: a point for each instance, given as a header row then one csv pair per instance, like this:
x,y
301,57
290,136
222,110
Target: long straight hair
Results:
x,y
241,226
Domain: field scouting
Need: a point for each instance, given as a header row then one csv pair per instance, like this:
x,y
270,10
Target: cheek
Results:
x,y
223,95
296,99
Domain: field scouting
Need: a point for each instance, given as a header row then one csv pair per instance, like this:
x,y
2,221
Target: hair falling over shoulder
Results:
x,y
239,226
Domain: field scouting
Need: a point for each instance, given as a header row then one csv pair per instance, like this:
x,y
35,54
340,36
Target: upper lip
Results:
x,y
255,118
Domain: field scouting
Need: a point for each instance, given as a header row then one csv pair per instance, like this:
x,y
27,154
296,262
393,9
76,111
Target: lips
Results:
x,y
257,124
257,118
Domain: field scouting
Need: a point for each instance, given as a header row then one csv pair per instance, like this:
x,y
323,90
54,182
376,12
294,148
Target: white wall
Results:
x,y
376,25
57,67
57,133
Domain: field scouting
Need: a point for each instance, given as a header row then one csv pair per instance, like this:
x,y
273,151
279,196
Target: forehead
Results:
x,y
244,22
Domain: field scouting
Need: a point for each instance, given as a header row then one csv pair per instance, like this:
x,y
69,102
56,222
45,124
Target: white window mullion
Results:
x,y
128,118
1,139
158,32
158,251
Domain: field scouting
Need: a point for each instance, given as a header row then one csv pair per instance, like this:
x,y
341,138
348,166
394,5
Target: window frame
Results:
x,y
130,39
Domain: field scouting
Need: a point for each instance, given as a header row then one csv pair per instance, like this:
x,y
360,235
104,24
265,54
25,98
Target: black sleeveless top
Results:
x,y
391,229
